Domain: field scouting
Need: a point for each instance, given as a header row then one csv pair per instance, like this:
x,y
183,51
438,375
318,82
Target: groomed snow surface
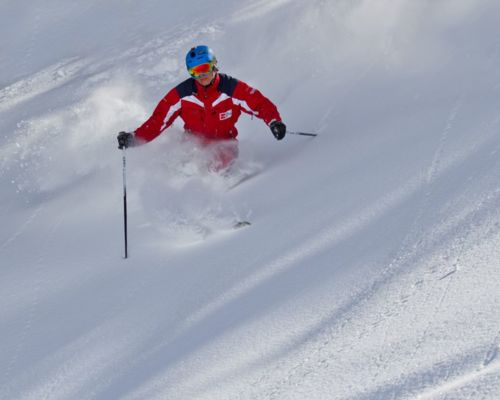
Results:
x,y
371,268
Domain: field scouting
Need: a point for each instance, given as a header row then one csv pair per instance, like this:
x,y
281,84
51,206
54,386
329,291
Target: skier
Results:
x,y
210,104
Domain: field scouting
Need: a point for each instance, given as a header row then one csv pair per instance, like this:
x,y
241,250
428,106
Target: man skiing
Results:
x,y
210,104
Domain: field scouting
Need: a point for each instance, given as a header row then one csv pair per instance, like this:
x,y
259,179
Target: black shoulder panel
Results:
x,y
227,84
186,88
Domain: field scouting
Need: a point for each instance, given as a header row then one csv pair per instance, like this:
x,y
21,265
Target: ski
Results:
x,y
241,224
244,179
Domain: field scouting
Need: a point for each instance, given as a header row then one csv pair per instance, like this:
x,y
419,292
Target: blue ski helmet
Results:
x,y
199,55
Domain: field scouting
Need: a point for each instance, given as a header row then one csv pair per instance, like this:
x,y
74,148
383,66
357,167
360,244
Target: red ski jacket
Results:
x,y
209,112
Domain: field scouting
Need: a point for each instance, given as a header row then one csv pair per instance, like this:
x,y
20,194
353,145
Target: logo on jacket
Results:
x,y
226,115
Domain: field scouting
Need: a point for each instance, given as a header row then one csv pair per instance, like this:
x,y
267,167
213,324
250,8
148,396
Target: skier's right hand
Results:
x,y
125,139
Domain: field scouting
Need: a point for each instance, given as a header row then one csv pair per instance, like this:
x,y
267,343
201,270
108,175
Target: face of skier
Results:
x,y
204,73
206,79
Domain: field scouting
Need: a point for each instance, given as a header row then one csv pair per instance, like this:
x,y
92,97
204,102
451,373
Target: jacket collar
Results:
x,y
210,88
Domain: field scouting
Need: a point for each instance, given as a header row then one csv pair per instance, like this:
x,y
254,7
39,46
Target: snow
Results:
x,y
370,270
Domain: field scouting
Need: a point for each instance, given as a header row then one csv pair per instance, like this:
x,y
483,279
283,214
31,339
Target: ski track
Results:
x,y
459,382
38,273
257,9
492,353
416,237
20,231
410,244
325,337
433,381
32,41
41,82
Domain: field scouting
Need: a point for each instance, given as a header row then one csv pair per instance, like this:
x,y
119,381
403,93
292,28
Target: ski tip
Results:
x,y
241,224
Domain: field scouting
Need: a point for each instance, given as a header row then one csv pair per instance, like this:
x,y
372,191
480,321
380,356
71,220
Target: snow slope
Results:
x,y
370,270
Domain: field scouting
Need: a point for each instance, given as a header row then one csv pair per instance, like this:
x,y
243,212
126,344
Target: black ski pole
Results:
x,y
125,202
302,133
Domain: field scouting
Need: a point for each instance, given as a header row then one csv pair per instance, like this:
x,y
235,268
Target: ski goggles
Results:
x,y
201,69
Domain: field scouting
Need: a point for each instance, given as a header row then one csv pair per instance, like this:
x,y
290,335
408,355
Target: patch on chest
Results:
x,y
225,115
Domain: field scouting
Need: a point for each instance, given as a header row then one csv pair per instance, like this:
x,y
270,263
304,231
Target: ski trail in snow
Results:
x,y
22,228
492,353
37,272
41,82
492,369
88,358
306,366
430,179
405,252
257,9
414,235
438,155
35,32
414,239
327,238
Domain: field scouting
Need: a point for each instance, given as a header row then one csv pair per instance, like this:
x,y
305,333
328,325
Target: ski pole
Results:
x,y
302,133
125,202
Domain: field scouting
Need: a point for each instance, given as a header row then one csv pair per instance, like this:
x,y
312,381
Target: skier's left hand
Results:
x,y
278,129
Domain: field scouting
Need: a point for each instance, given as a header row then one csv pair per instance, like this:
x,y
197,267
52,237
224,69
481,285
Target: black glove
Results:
x,y
125,139
278,129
